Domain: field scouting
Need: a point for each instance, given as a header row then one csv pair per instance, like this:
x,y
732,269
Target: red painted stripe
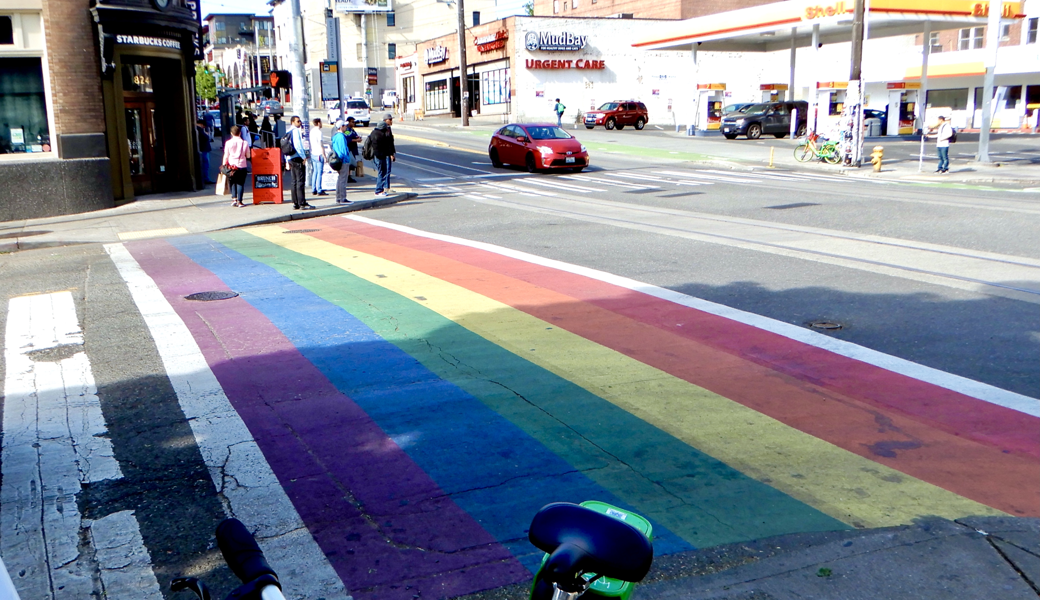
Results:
x,y
717,31
955,413
977,471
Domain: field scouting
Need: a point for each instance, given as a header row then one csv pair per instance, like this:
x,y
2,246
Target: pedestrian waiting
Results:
x,y
317,159
943,136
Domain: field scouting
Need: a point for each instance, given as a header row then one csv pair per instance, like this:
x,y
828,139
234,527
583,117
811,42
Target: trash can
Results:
x,y
873,127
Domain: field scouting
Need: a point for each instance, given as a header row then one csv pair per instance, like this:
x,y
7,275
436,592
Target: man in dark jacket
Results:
x,y
205,147
386,153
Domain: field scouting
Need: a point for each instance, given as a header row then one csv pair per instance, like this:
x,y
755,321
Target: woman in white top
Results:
x,y
236,155
317,159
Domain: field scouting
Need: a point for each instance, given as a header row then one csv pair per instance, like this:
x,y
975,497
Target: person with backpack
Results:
x,y
352,146
295,154
341,151
379,146
944,135
559,112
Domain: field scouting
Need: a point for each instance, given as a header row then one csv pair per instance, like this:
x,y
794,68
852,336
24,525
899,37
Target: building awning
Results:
x,y
770,27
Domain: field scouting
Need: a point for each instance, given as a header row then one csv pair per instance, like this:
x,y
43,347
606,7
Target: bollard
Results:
x,y
876,156
771,150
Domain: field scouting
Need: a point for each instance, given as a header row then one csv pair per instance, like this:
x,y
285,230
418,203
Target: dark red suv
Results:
x,y
618,114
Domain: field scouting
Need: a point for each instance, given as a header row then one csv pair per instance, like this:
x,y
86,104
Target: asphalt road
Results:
x,y
781,243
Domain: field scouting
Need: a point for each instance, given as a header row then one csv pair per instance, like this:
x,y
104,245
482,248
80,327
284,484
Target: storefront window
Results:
x,y
23,106
494,86
137,78
6,30
956,99
437,95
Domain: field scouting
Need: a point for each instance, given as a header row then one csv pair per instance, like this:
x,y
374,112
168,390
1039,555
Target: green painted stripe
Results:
x,y
699,498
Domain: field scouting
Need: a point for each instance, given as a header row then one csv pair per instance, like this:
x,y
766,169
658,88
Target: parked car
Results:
x,y
358,108
618,114
737,108
270,108
766,117
537,146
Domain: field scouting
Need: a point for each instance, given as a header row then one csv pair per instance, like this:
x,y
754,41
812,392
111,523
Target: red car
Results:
x,y
618,114
537,146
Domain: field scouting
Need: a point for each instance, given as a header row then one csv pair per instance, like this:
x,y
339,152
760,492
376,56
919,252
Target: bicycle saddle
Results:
x,y
580,540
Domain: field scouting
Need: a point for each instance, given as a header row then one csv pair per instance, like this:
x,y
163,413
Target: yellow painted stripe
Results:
x,y
835,481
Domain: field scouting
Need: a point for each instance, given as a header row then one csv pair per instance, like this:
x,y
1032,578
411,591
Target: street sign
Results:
x,y
329,81
373,76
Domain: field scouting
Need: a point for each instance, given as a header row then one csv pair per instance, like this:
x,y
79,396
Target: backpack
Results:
x,y
286,144
953,134
368,149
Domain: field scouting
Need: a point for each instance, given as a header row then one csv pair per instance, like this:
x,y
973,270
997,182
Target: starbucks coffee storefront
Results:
x,y
147,79
96,103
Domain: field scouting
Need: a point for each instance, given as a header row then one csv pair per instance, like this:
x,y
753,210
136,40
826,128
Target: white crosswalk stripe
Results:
x,y
563,186
599,181
54,443
657,179
701,175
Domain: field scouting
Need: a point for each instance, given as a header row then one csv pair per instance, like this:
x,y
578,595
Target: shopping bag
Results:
x,y
223,185
329,177
359,169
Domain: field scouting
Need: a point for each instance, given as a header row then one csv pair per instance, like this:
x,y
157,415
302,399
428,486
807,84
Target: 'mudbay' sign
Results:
x,y
548,41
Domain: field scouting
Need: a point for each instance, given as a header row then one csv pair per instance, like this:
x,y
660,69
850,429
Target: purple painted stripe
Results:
x,y
385,526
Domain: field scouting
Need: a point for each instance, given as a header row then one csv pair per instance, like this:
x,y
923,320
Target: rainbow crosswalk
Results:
x,y
419,398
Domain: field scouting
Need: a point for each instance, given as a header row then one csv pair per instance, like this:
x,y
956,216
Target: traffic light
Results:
x,y
281,79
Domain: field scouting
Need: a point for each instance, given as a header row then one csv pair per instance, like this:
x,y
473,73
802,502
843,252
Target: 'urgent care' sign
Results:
x,y
566,64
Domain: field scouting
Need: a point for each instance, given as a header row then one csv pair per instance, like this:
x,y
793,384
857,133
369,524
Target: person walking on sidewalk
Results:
x,y
559,112
943,133
385,153
296,164
205,147
236,153
352,145
339,148
317,159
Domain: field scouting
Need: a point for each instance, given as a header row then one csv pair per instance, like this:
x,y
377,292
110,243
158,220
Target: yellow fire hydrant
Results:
x,y
876,156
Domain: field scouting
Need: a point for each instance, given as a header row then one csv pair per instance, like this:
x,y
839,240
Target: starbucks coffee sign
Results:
x,y
548,41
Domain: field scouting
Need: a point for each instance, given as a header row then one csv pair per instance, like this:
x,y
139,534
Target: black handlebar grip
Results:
x,y
241,551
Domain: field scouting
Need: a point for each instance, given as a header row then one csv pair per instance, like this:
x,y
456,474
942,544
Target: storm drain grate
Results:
x,y
301,231
795,205
210,296
825,325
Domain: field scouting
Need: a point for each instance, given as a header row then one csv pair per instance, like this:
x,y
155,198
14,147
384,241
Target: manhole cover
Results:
x,y
208,296
301,231
825,325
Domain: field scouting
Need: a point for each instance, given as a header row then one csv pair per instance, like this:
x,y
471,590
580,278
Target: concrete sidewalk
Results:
x,y
163,215
660,142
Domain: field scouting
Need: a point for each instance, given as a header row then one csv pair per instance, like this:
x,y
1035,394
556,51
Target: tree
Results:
x,y
529,8
205,83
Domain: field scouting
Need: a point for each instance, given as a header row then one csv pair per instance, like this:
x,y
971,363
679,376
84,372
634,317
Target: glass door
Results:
x,y
147,156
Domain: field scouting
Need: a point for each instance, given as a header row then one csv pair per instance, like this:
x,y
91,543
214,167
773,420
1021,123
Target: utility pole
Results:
x,y
996,7
300,100
856,82
463,68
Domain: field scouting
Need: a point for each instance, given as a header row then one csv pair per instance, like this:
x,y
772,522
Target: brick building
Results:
x,y
96,102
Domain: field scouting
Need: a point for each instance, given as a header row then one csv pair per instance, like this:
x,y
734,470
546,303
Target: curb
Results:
x,y
331,210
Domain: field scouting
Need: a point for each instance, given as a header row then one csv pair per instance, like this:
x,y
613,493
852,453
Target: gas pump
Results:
x,y
902,107
710,100
830,100
773,92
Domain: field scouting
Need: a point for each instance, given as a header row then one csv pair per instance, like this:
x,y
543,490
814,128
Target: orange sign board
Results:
x,y
267,176
772,86
904,85
832,85
711,86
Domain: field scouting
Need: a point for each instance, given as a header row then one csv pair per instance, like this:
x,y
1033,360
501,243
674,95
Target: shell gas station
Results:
x,y
817,38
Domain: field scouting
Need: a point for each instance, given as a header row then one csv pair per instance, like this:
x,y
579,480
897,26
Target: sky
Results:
x,y
506,7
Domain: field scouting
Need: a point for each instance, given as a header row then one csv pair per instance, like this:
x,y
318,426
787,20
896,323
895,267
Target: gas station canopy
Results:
x,y
770,27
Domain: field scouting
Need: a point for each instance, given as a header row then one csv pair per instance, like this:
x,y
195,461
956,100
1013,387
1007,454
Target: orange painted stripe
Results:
x,y
973,470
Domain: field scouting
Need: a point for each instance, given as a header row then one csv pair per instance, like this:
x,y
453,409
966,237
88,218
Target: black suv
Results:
x,y
767,117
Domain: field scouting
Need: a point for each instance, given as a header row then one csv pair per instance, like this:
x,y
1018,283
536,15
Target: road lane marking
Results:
x,y
619,184
152,233
123,560
950,381
658,179
441,162
520,190
707,176
238,469
54,442
563,186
